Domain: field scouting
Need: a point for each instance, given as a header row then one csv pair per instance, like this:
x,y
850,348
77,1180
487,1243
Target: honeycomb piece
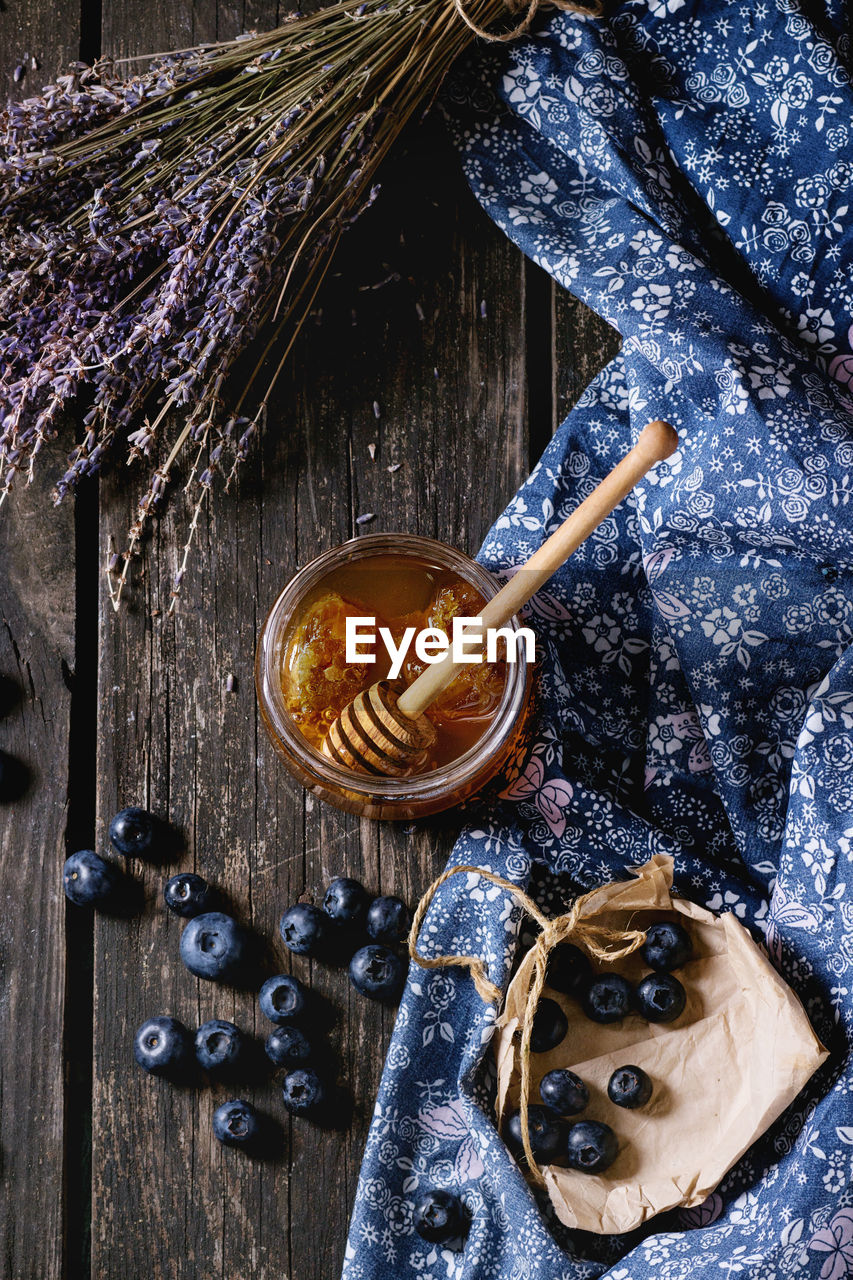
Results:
x,y
317,680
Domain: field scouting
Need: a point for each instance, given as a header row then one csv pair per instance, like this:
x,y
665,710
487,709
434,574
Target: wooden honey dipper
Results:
x,y
381,732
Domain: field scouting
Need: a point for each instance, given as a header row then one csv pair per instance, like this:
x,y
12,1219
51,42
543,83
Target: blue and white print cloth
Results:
x,y
685,168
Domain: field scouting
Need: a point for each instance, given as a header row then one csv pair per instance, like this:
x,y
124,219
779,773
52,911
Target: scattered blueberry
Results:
x,y
235,1123
303,1091
219,1046
90,881
592,1146
563,1092
304,929
607,998
550,1025
667,946
283,998
133,832
187,895
162,1046
214,946
378,973
388,920
547,1134
629,1087
660,998
569,970
345,902
289,1047
439,1216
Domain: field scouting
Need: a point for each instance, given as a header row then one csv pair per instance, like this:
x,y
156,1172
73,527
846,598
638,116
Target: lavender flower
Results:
x,y
151,225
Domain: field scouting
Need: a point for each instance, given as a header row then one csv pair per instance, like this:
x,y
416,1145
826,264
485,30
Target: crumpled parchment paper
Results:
x,y
722,1072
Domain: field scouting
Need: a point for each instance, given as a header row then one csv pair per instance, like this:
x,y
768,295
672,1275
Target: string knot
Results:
x,y
528,9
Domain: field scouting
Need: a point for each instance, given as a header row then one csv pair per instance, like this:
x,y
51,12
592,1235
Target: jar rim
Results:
x,y
374,789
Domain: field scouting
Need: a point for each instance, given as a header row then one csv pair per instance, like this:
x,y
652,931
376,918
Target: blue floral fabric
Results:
x,y
686,169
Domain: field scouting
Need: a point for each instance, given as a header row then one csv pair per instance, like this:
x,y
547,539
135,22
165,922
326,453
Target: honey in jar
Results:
x,y
399,592
304,681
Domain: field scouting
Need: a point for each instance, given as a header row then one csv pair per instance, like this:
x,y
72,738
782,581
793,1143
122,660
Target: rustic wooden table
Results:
x,y
472,358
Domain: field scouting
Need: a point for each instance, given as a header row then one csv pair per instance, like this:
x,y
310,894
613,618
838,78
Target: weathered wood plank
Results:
x,y
171,737
37,650
442,353
167,1201
583,345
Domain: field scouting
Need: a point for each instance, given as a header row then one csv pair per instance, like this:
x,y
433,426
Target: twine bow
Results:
x,y
528,9
601,941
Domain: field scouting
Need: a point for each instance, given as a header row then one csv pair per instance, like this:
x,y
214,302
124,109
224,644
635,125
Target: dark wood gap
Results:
x,y
539,317
91,14
80,833
79,925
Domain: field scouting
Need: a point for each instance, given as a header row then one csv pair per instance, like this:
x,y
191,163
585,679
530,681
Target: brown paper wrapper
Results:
x,y
722,1072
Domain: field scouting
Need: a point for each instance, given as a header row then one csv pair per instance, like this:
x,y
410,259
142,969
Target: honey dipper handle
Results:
x,y
657,441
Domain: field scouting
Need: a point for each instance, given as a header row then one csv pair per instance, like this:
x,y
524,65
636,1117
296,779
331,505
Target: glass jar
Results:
x,y
374,797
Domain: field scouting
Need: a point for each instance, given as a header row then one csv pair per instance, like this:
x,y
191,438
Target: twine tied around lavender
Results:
x,y
600,941
528,10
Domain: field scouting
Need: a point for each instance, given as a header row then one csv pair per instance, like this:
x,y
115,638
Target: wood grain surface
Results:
x,y
434,341
37,655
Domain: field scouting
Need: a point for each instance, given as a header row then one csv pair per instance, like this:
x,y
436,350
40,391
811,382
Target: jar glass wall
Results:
x,y
380,797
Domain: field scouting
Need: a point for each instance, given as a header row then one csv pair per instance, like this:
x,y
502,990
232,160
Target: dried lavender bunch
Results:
x,y
151,225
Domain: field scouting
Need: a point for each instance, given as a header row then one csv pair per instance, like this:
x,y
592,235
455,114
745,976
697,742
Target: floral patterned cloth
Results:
x,y
686,169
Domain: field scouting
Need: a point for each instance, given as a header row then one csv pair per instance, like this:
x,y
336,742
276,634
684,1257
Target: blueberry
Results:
x,y
563,1092
304,929
592,1146
303,1091
377,973
660,998
283,998
219,1046
439,1216
388,920
345,902
134,832
162,1046
236,1123
629,1087
607,998
547,1134
289,1047
569,970
214,946
667,946
187,895
90,881
550,1025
